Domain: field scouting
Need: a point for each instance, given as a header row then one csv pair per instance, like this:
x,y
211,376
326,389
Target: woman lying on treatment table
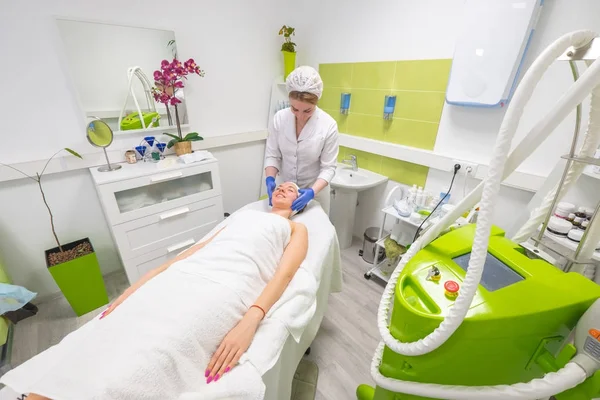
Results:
x,y
201,300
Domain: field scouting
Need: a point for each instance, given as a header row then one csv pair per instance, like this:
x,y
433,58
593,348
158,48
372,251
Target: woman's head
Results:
x,y
305,87
284,195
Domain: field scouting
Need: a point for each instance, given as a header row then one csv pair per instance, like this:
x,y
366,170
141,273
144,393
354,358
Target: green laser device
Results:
x,y
514,331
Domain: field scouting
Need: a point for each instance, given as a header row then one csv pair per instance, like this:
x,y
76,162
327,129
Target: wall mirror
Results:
x,y
113,66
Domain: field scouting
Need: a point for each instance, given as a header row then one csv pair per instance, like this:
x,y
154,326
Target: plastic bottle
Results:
x,y
419,198
412,194
395,234
580,216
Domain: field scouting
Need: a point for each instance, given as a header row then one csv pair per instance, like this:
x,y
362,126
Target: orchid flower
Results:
x,y
170,78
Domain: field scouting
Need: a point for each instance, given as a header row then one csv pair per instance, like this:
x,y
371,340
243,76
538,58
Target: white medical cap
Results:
x,y
305,79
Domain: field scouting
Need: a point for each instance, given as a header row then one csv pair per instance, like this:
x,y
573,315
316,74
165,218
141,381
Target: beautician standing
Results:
x,y
303,144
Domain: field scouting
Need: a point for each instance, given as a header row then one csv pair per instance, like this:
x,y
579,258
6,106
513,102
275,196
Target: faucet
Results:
x,y
352,162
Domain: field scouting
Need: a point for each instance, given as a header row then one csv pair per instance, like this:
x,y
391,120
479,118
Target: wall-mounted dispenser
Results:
x,y
388,107
345,103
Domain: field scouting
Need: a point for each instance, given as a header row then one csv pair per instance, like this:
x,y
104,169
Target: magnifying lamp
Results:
x,y
100,135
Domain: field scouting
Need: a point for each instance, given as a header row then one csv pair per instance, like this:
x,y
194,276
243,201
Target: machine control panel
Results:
x,y
592,347
496,274
587,339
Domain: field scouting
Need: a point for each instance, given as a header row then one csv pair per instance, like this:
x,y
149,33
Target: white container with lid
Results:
x,y
559,226
564,209
575,234
588,211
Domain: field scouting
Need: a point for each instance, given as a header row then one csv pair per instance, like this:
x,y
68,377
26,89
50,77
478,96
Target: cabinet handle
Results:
x,y
174,213
181,245
166,177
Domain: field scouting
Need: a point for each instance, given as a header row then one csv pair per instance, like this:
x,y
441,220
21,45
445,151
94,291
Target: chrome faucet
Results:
x,y
351,162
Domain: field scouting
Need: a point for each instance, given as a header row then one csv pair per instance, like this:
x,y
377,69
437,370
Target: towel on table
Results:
x,y
162,359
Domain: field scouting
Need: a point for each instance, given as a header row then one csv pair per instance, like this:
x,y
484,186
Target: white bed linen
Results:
x,y
323,259
273,346
291,324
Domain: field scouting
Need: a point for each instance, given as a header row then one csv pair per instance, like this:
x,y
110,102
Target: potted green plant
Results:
x,y
183,145
168,81
74,265
288,48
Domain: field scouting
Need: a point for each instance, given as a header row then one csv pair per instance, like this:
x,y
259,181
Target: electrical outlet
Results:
x,y
466,168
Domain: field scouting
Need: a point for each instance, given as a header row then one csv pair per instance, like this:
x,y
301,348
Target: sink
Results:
x,y
347,179
345,186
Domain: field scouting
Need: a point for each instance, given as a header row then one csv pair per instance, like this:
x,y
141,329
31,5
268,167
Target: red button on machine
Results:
x,y
451,289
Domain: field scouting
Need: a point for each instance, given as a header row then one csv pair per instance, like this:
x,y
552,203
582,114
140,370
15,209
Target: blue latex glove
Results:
x,y
270,188
306,195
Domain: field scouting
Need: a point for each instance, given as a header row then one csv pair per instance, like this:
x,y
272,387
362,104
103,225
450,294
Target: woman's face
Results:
x,y
303,111
284,195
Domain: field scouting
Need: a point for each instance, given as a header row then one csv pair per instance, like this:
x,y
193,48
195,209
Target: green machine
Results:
x,y
472,315
514,331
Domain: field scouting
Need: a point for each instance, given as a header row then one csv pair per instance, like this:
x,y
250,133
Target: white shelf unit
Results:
x,y
377,270
154,214
589,171
568,243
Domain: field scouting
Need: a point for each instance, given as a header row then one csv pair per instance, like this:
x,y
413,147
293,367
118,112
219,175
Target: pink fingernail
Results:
x,y
207,373
227,369
209,380
217,377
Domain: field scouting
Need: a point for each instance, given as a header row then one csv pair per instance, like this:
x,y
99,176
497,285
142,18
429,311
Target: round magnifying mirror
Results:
x,y
100,135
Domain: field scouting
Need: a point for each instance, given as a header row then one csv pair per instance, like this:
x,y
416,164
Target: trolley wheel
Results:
x,y
367,276
307,352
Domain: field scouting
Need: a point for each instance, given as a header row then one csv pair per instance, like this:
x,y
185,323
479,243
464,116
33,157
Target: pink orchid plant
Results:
x,y
169,79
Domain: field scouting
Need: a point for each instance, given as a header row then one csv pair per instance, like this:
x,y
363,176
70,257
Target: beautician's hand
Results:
x,y
306,195
270,188
234,345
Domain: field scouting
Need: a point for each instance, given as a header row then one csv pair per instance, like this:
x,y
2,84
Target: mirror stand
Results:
x,y
108,167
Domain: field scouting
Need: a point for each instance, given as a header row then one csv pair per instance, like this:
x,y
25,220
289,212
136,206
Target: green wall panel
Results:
x,y
420,89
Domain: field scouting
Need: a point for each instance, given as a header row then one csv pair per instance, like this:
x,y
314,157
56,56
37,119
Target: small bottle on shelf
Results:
x,y
579,217
419,198
585,224
412,194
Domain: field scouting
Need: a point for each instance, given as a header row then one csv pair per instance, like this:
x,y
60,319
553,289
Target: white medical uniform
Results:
x,y
304,159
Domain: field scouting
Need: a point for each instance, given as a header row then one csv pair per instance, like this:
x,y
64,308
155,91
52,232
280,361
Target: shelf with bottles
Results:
x,y
568,243
591,171
391,211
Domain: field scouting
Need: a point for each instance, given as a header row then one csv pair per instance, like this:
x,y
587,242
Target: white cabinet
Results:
x,y
154,214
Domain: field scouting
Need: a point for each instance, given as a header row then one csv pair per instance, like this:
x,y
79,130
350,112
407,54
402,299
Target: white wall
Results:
x,y
351,31
235,42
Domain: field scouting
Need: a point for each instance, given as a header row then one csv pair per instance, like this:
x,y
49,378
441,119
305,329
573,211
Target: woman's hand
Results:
x,y
116,303
234,345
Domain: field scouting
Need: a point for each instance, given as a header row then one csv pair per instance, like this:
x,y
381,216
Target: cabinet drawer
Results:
x,y
168,228
138,267
136,198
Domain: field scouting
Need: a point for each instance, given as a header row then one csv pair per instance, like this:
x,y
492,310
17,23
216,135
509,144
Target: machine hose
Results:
x,y
556,382
590,144
501,166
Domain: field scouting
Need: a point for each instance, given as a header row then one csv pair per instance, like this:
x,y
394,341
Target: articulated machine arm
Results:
x,y
560,374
